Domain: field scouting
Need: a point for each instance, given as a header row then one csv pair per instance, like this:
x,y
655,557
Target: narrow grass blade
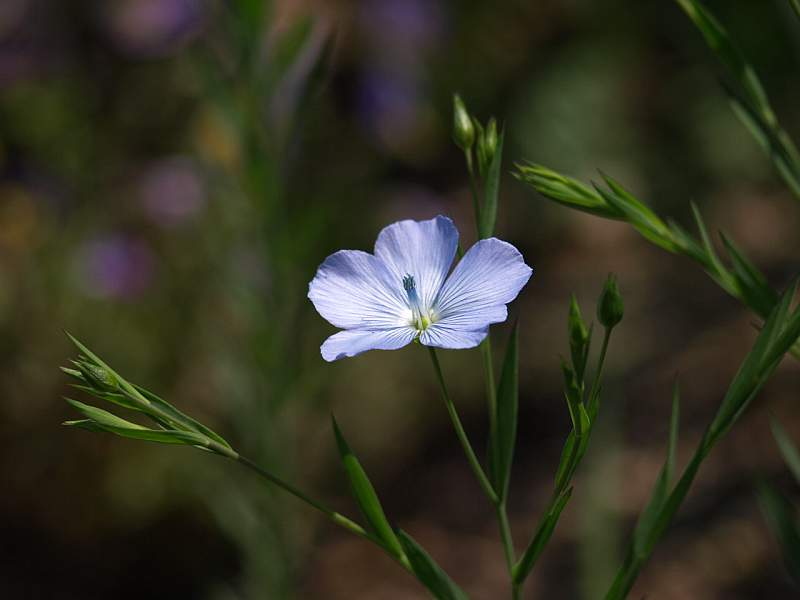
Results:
x,y
783,522
650,513
791,455
101,420
566,190
365,495
543,533
430,574
504,440
753,284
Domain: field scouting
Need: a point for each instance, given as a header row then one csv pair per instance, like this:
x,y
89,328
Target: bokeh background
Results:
x,y
173,171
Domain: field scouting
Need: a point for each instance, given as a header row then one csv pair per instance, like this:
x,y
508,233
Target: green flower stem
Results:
x,y
335,517
505,536
473,188
483,481
594,392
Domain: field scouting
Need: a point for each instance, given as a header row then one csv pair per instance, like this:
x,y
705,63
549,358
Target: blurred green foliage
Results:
x,y
172,172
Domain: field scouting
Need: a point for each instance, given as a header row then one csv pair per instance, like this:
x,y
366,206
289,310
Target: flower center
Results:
x,y
421,318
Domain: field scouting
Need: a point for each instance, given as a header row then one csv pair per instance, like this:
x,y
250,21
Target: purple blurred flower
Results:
x,y
154,27
172,191
403,292
403,27
389,105
116,266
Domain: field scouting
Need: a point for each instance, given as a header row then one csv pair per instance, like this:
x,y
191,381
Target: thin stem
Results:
x,y
334,516
505,536
477,470
516,591
595,390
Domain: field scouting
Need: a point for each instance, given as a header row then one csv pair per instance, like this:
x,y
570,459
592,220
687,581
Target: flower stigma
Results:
x,y
421,319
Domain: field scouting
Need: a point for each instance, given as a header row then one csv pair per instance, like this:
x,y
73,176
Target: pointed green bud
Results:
x,y
463,129
98,377
487,145
578,337
610,307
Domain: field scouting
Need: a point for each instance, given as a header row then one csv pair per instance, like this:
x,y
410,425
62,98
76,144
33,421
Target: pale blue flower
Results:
x,y
385,300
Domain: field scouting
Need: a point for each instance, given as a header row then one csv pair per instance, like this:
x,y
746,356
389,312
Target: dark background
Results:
x,y
173,171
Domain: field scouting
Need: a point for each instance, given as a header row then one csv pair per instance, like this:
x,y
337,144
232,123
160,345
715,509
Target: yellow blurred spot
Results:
x,y
18,218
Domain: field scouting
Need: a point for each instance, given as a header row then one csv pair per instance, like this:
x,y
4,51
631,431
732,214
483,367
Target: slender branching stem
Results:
x,y
483,481
335,517
594,392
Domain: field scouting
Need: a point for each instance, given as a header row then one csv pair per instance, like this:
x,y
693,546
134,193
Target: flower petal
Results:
x,y
441,335
351,290
489,276
423,249
356,341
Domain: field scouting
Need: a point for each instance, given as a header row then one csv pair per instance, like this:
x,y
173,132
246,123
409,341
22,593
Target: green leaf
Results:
x,y
795,4
639,215
365,495
790,453
180,418
566,190
753,285
565,461
488,215
138,398
100,420
502,444
751,375
543,534
748,98
781,517
428,572
775,339
646,522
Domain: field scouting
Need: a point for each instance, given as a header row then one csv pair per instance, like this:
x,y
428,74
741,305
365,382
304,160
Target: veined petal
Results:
x,y
355,341
422,249
489,276
352,290
441,335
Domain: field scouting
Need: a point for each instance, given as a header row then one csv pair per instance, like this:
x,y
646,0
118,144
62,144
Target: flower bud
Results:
x,y
98,377
487,146
610,307
578,337
463,129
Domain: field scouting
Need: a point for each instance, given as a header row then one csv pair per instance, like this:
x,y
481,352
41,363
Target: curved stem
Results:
x,y
505,536
595,390
334,516
477,470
